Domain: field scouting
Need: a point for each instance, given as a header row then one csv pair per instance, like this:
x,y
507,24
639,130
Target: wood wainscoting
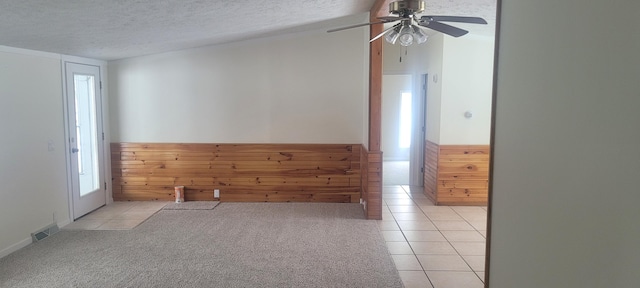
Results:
x,y
456,174
371,171
242,172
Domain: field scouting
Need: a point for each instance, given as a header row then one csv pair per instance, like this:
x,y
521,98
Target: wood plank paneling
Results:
x,y
364,177
242,172
371,179
431,170
374,181
457,174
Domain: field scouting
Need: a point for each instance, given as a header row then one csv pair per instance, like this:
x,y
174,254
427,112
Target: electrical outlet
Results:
x,y
216,193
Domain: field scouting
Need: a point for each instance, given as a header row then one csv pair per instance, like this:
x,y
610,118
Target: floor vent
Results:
x,y
45,232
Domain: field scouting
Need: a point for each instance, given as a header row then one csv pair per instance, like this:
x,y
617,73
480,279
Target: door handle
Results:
x,y
74,150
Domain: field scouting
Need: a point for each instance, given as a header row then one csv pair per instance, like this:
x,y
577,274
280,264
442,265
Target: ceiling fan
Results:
x,y
406,32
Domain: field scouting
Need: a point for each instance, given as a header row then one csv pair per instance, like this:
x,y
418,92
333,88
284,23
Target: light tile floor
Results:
x,y
117,216
433,246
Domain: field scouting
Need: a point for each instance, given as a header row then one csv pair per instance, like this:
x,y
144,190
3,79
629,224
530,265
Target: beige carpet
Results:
x,y
233,245
192,205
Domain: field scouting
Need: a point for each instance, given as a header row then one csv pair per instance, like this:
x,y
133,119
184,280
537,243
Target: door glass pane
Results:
x,y
86,133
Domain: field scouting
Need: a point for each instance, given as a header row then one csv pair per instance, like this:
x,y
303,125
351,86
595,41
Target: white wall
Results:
x,y
32,178
398,59
566,164
299,88
392,88
460,79
434,55
467,79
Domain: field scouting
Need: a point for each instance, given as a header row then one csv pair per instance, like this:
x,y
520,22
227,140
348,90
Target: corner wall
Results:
x,y
565,195
33,177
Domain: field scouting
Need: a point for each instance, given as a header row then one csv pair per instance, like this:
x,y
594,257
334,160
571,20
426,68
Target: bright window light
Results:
x,y
405,120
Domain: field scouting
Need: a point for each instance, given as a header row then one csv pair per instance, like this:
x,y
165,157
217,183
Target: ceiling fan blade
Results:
x,y
354,26
383,32
392,18
461,19
444,28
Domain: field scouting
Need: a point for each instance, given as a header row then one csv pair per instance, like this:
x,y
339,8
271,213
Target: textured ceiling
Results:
x,y
115,29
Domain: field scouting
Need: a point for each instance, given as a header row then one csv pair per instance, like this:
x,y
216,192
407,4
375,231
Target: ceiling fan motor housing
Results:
x,y
407,8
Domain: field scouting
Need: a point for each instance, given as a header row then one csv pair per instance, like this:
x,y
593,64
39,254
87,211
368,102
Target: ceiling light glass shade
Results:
x,y
420,36
392,35
406,35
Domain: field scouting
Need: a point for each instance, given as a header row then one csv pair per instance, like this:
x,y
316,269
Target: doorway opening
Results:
x,y
403,129
396,128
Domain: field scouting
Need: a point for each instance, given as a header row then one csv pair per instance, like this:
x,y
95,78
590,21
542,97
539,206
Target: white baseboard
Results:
x,y
64,223
15,247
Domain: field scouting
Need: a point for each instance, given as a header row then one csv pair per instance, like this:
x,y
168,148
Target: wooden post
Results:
x,y
374,159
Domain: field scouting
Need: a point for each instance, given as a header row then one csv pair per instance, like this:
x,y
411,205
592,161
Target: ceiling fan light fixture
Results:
x,y
392,35
420,36
406,32
406,35
406,39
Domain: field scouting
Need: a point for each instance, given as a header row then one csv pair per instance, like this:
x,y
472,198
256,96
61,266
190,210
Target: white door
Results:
x,y
85,137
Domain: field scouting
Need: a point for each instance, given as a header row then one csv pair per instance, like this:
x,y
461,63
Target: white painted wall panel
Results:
x,y
460,79
298,88
32,178
467,78
565,184
434,55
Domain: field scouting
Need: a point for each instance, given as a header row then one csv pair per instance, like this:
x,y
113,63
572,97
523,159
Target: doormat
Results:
x,y
192,205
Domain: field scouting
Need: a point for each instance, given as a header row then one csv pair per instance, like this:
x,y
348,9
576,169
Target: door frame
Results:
x,y
106,163
418,134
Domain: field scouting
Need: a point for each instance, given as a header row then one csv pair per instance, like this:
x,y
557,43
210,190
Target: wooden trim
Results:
x,y
375,87
379,8
242,172
364,178
374,178
431,170
371,173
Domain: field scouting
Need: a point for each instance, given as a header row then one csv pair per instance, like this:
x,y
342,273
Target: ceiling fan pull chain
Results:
x,y
405,53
